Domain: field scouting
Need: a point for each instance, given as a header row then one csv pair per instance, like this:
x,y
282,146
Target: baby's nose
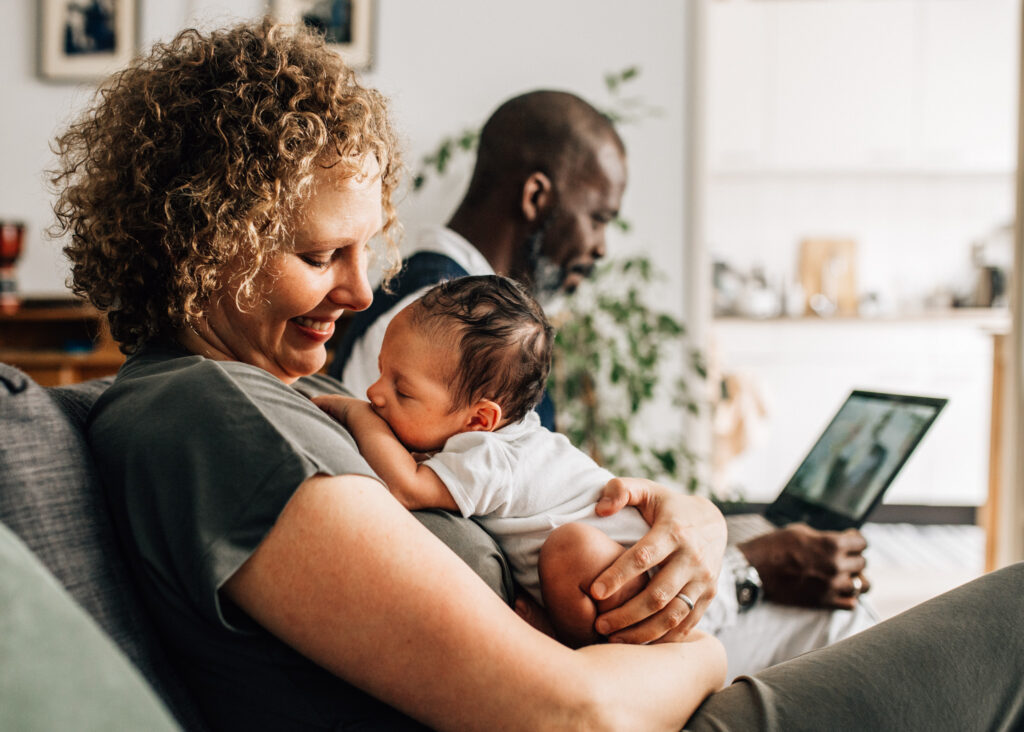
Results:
x,y
373,394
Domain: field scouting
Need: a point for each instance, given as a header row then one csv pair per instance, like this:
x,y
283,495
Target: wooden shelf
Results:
x,y
66,341
58,341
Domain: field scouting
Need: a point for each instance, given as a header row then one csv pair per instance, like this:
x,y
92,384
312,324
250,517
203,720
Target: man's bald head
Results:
x,y
553,132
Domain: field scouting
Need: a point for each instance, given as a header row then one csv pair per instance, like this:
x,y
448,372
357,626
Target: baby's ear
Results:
x,y
484,417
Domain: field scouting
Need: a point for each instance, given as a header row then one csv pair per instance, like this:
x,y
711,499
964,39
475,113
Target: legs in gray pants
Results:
x,y
953,663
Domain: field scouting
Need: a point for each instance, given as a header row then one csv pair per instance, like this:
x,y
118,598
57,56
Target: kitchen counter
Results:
x,y
995,320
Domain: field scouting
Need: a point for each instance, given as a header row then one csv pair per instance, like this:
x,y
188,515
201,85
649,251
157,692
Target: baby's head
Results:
x,y
471,354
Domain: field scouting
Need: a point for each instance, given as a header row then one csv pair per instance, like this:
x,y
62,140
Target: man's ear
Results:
x,y
485,417
538,196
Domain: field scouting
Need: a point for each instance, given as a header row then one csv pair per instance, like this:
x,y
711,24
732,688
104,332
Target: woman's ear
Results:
x,y
484,417
538,196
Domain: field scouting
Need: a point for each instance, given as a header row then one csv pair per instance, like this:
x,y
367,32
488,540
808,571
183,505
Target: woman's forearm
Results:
x,y
659,687
356,584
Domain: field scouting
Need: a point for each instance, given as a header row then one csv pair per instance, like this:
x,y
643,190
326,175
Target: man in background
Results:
x,y
549,178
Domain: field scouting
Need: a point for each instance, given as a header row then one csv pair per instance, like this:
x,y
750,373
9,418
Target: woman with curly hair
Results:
x,y
220,197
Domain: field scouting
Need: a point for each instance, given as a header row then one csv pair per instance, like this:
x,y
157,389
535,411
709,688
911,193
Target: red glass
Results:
x,y
11,236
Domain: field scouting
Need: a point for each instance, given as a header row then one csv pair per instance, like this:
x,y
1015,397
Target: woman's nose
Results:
x,y
352,287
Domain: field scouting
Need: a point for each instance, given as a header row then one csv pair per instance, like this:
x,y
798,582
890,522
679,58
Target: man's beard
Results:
x,y
545,275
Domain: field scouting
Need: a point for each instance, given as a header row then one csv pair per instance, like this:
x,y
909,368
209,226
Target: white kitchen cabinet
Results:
x,y
741,49
841,79
968,89
804,368
862,86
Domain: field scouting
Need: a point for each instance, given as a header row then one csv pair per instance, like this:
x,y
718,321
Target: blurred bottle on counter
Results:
x,y
992,257
760,300
727,285
12,234
793,298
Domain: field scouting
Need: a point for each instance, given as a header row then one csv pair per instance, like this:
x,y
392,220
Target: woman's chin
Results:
x,y
297,365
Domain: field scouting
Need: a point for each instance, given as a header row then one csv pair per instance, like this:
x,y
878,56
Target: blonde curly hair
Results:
x,y
185,174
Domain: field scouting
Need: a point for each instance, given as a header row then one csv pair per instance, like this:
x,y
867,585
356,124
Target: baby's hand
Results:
x,y
338,406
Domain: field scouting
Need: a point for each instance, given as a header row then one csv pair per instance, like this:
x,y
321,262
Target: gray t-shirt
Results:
x,y
200,457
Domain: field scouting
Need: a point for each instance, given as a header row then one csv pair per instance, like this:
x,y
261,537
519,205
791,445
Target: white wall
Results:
x,y
913,232
446,64
892,123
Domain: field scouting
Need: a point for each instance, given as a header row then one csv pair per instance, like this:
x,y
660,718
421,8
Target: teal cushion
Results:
x,y
59,670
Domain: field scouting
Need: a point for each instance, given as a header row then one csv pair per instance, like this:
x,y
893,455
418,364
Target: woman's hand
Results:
x,y
686,542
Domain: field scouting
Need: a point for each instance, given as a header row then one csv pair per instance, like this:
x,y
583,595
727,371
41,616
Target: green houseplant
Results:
x,y
608,376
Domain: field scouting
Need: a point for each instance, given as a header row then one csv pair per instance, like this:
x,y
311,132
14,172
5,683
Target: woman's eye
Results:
x,y
315,261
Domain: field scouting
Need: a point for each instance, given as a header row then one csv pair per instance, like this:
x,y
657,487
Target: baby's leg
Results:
x,y
570,560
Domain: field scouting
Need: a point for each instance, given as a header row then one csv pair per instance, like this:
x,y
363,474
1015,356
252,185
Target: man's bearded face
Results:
x,y
563,250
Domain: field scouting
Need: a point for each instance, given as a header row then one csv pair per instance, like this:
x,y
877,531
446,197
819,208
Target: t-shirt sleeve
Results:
x,y
201,461
476,470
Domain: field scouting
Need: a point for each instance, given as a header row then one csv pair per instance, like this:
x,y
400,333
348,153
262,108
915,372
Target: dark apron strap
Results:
x,y
422,269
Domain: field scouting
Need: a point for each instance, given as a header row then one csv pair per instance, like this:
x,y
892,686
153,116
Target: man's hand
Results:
x,y
803,566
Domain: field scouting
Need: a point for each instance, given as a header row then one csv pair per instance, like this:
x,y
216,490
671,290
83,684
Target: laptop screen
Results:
x,y
860,452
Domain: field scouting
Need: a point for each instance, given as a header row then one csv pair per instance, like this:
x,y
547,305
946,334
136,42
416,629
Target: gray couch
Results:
x,y
51,502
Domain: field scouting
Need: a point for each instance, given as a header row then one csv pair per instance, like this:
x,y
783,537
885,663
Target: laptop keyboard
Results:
x,y
745,526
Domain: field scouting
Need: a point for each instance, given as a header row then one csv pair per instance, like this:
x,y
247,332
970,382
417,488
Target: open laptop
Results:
x,y
854,461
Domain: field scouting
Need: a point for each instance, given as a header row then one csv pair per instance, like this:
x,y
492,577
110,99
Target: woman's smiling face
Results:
x,y
303,291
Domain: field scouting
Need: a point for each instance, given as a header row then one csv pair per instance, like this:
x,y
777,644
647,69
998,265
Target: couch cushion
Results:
x,y
51,498
59,670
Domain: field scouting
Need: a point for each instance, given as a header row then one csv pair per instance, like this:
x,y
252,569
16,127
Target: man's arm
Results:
x,y
799,565
415,486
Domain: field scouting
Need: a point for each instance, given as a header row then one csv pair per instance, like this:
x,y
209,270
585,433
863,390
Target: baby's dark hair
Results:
x,y
503,339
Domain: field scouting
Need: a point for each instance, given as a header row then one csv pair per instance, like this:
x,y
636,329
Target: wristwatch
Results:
x,y
748,584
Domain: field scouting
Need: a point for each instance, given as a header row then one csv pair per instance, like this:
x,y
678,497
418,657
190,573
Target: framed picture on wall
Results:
x,y
85,39
346,24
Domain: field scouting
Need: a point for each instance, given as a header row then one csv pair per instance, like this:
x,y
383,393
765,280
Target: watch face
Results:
x,y
746,594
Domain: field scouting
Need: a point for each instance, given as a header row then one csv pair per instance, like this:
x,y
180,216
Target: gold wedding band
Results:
x,y
687,600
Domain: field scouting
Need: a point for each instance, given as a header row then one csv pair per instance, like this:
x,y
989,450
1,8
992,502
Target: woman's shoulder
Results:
x,y
166,366
164,398
161,382
165,373
165,363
